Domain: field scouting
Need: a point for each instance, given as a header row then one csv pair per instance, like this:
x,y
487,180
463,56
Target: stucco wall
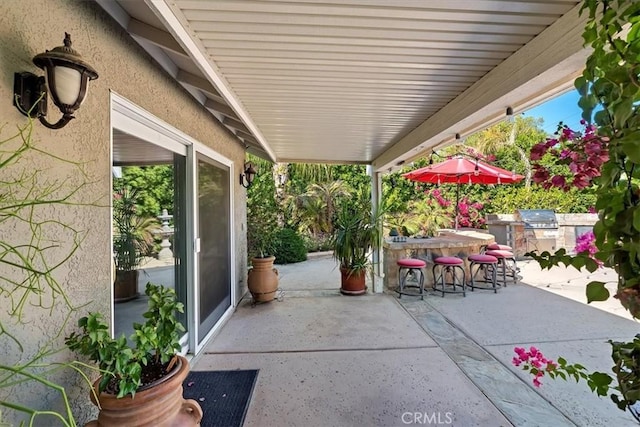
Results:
x,y
29,27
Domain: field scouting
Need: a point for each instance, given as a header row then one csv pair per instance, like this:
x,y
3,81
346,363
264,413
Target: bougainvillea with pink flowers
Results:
x,y
609,89
586,244
538,365
470,213
584,153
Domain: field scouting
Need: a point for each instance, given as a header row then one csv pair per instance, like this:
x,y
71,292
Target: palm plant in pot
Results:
x,y
140,385
133,238
357,232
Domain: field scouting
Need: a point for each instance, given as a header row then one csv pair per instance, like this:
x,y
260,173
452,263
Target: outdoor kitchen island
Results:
x,y
461,243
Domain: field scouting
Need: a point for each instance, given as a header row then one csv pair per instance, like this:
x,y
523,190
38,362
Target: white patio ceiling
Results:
x,y
359,81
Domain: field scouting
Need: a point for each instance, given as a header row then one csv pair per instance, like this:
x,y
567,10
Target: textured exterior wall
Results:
x,y
29,27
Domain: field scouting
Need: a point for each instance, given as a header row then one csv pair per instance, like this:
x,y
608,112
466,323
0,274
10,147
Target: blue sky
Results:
x,y
562,108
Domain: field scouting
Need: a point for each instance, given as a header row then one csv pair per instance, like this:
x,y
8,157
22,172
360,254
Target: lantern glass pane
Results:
x,y
67,84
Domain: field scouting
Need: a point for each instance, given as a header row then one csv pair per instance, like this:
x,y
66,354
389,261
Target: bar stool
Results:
x,y
411,265
506,261
448,265
498,247
488,265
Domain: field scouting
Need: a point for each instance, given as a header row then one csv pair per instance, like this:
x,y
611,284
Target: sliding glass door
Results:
x,y
214,242
184,193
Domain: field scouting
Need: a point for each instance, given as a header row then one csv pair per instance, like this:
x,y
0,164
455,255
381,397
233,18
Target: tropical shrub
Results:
x,y
506,199
319,243
288,247
262,211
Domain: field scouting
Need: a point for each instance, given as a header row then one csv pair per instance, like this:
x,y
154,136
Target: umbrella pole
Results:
x,y
457,202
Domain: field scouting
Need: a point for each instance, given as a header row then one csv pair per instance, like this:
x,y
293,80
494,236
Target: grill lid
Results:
x,y
537,218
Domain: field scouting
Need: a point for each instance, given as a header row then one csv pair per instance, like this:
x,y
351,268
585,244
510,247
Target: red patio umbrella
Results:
x,y
460,170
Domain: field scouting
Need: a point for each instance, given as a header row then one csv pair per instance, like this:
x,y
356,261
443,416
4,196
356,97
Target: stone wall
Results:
x,y
510,232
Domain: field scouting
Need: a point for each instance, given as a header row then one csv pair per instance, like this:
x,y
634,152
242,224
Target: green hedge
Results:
x,y
288,247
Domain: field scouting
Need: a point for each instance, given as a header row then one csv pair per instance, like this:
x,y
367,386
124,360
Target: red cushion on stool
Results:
x,y
411,263
448,260
497,247
500,254
483,259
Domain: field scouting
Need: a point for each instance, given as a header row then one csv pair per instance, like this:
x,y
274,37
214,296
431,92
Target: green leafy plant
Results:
x,y
610,96
262,212
155,344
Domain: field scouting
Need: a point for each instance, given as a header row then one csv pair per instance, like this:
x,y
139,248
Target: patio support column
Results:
x,y
377,276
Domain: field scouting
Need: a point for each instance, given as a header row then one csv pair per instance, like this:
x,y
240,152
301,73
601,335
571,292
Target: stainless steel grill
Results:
x,y
537,218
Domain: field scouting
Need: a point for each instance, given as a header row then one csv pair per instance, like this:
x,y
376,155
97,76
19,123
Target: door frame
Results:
x,y
199,148
134,120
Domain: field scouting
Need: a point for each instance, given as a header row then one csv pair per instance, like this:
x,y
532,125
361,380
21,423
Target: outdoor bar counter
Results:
x,y
459,243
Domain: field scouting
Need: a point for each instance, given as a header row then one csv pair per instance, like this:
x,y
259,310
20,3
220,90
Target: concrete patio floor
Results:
x,y
376,360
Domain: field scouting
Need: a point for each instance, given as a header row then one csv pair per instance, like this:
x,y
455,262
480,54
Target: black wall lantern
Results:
x,y
246,178
67,75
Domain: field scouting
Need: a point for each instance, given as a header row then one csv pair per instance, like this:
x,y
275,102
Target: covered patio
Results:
x,y
360,81
367,82
326,359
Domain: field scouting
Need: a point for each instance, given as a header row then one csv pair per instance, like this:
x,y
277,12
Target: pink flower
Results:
x,y
535,361
584,154
538,151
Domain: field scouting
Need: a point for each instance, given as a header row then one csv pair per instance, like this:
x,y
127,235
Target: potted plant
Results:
x,y
357,231
133,237
262,278
140,385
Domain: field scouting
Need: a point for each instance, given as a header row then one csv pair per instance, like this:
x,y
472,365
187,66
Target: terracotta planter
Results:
x,y
125,288
354,283
159,405
262,279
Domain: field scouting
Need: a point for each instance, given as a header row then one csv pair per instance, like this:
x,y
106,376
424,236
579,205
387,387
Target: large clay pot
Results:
x,y
263,279
353,283
159,405
125,288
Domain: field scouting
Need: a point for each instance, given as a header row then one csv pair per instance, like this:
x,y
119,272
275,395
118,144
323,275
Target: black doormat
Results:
x,y
223,395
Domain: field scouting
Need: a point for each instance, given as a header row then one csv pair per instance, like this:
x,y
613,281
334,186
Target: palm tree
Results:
x,y
521,135
317,206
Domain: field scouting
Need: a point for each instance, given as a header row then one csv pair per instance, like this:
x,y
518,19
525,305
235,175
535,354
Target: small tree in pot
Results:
x,y
357,232
151,372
